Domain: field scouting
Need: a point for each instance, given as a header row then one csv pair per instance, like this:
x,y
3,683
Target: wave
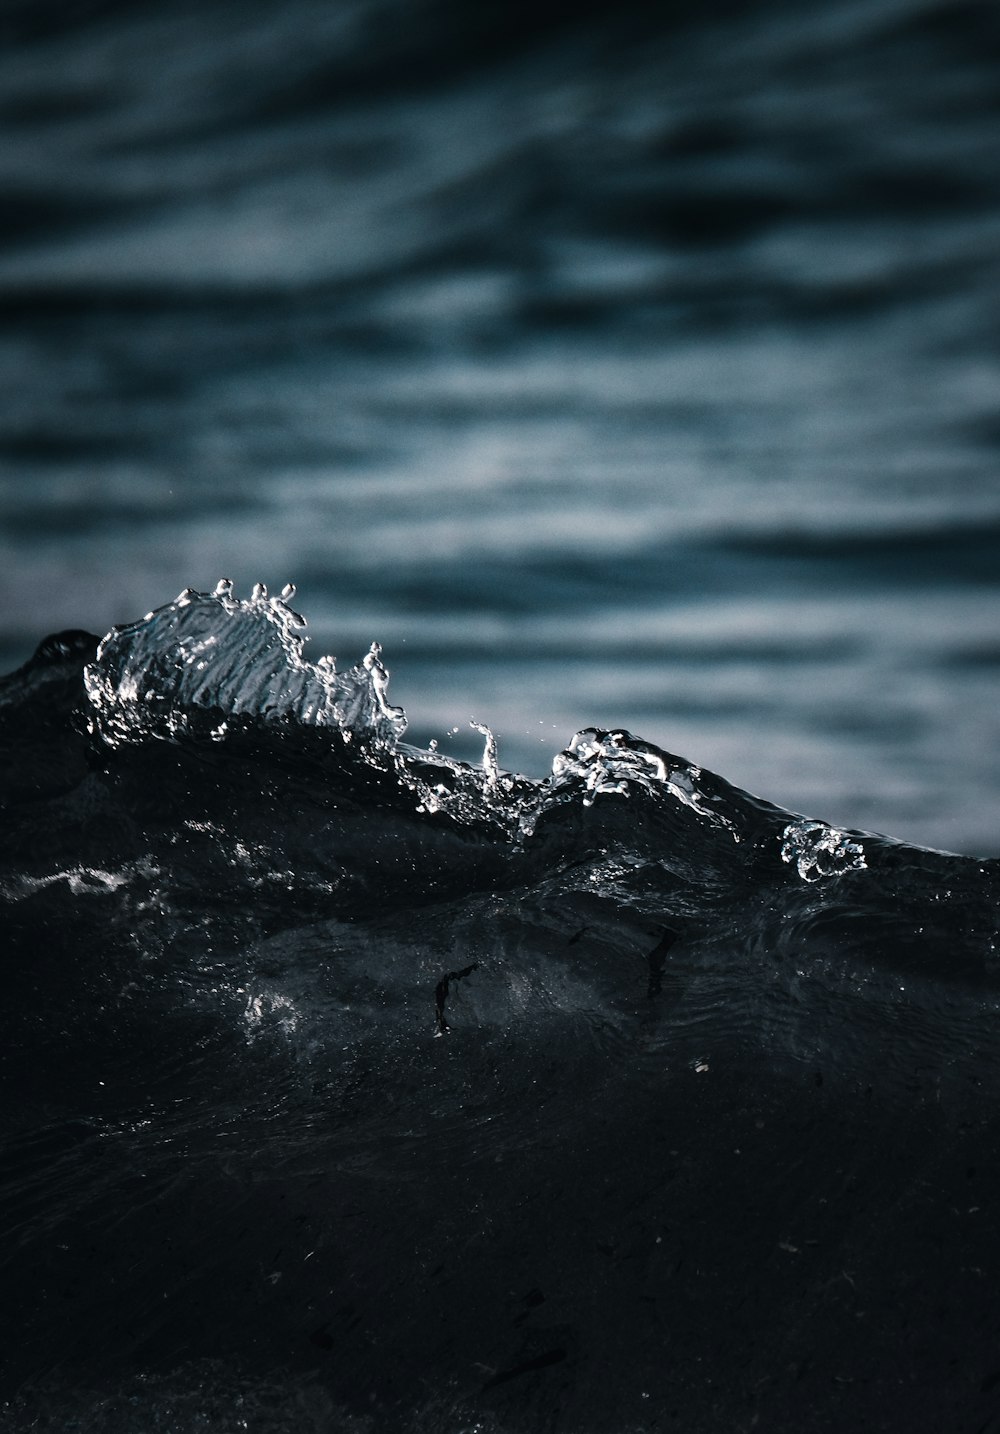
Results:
x,y
214,683
377,1089
213,653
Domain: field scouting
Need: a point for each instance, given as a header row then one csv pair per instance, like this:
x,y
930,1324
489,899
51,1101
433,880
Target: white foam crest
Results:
x,y
215,652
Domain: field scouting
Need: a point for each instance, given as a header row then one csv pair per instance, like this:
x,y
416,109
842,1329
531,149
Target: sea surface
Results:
x,y
347,1088
630,365
499,673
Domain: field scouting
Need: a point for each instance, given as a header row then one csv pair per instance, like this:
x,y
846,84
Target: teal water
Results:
x,y
630,368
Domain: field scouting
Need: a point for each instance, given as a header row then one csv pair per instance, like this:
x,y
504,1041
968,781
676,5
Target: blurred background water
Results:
x,y
619,364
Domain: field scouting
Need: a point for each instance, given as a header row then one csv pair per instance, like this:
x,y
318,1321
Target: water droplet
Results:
x,y
820,851
490,765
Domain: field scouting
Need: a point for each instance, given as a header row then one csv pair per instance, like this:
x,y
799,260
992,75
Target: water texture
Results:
x,y
346,1086
625,380
625,365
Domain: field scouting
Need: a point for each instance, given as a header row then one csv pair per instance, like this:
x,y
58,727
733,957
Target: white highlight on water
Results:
x,y
614,762
490,764
819,850
217,652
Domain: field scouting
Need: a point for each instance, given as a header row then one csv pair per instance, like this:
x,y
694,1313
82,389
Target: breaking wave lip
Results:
x,y
204,663
374,819
220,654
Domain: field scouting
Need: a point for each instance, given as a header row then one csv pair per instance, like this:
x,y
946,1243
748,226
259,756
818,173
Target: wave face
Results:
x,y
348,1086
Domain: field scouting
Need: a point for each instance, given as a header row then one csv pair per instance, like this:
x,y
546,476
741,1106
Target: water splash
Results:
x,y
206,658
819,851
491,767
217,653
615,762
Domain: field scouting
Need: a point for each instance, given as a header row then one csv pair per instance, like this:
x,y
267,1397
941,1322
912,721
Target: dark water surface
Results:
x,y
348,1087
630,370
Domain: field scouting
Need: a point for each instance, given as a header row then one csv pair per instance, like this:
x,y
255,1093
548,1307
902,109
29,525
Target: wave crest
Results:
x,y
214,653
819,851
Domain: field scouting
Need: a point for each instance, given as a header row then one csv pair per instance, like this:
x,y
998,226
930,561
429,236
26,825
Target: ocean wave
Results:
x,y
347,1082
216,653
222,684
